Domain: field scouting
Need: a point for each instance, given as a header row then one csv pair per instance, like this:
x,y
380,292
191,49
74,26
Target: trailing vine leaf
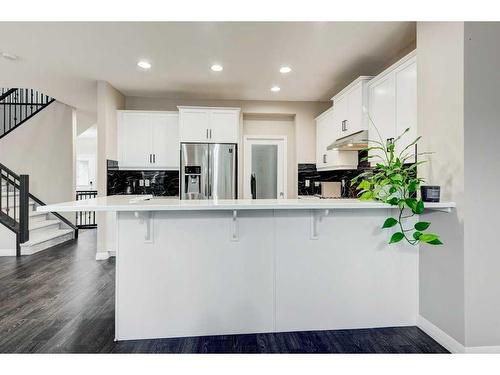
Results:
x,y
389,222
437,241
420,207
395,182
428,237
396,237
422,225
416,235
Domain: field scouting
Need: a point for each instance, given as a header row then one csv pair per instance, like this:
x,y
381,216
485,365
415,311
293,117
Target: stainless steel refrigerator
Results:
x,y
208,171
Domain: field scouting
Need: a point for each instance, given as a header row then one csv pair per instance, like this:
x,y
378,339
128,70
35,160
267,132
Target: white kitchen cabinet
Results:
x,y
406,105
392,97
349,105
165,140
134,139
194,124
148,140
224,125
382,113
209,125
326,133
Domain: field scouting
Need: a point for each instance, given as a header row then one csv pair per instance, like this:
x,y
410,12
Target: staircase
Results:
x,y
35,231
18,105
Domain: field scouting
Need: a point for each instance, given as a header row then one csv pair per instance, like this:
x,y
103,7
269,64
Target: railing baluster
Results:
x,y
18,105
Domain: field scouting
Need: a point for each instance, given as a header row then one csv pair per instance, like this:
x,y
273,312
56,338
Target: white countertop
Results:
x,y
137,203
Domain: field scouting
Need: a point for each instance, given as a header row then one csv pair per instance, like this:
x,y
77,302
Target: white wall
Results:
x,y
441,125
482,181
109,100
43,148
7,242
304,112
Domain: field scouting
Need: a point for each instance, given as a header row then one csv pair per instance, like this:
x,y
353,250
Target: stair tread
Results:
x,y
42,224
46,236
37,213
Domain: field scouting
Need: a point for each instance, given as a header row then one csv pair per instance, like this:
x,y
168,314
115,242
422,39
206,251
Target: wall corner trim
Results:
x,y
440,336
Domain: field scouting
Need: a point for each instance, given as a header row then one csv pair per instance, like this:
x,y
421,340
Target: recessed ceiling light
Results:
x,y
285,69
275,89
9,56
217,68
143,64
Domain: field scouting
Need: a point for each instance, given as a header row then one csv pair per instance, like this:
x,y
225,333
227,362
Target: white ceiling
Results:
x,y
66,59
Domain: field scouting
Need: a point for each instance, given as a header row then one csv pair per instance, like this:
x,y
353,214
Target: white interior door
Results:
x,y
265,160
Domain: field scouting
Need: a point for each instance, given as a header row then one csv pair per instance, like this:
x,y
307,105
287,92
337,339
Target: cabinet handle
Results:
x,y
207,133
324,158
154,158
344,125
150,159
210,133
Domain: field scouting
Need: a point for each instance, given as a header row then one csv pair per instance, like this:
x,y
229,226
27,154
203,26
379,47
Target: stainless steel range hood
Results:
x,y
353,142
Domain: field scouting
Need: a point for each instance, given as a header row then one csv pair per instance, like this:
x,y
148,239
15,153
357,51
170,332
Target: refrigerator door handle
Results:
x,y
253,186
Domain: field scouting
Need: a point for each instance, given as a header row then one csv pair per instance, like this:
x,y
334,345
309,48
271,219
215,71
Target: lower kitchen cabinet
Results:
x,y
148,140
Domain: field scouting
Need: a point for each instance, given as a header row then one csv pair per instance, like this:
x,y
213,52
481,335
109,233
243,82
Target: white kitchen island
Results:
x,y
189,268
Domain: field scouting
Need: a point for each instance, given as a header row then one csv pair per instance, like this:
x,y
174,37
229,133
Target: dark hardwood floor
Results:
x,y
62,301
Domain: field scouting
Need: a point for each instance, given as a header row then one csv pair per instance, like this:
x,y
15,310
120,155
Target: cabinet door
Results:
x,y
406,107
224,126
194,124
382,110
337,159
341,108
321,153
134,134
355,109
165,132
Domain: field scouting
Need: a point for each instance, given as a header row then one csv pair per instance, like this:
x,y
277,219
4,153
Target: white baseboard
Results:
x,y
483,349
440,336
449,342
7,252
102,255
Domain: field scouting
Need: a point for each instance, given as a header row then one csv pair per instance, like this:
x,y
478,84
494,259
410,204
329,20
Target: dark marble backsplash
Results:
x,y
162,183
309,172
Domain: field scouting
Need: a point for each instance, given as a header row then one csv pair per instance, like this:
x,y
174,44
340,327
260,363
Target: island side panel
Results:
x,y
349,277
193,279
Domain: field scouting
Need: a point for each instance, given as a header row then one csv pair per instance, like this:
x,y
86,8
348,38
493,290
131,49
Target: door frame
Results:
x,y
281,142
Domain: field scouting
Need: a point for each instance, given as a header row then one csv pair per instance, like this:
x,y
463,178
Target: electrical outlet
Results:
x,y
147,183
141,182
308,183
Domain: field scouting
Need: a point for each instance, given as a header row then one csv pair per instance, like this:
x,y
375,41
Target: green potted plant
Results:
x,y
395,182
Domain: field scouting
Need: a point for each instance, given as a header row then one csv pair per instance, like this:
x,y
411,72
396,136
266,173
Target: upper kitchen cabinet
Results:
x,y
209,125
392,97
148,140
326,133
349,104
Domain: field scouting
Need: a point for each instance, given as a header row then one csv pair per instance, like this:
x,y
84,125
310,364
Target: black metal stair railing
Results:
x,y
15,205
85,219
18,105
